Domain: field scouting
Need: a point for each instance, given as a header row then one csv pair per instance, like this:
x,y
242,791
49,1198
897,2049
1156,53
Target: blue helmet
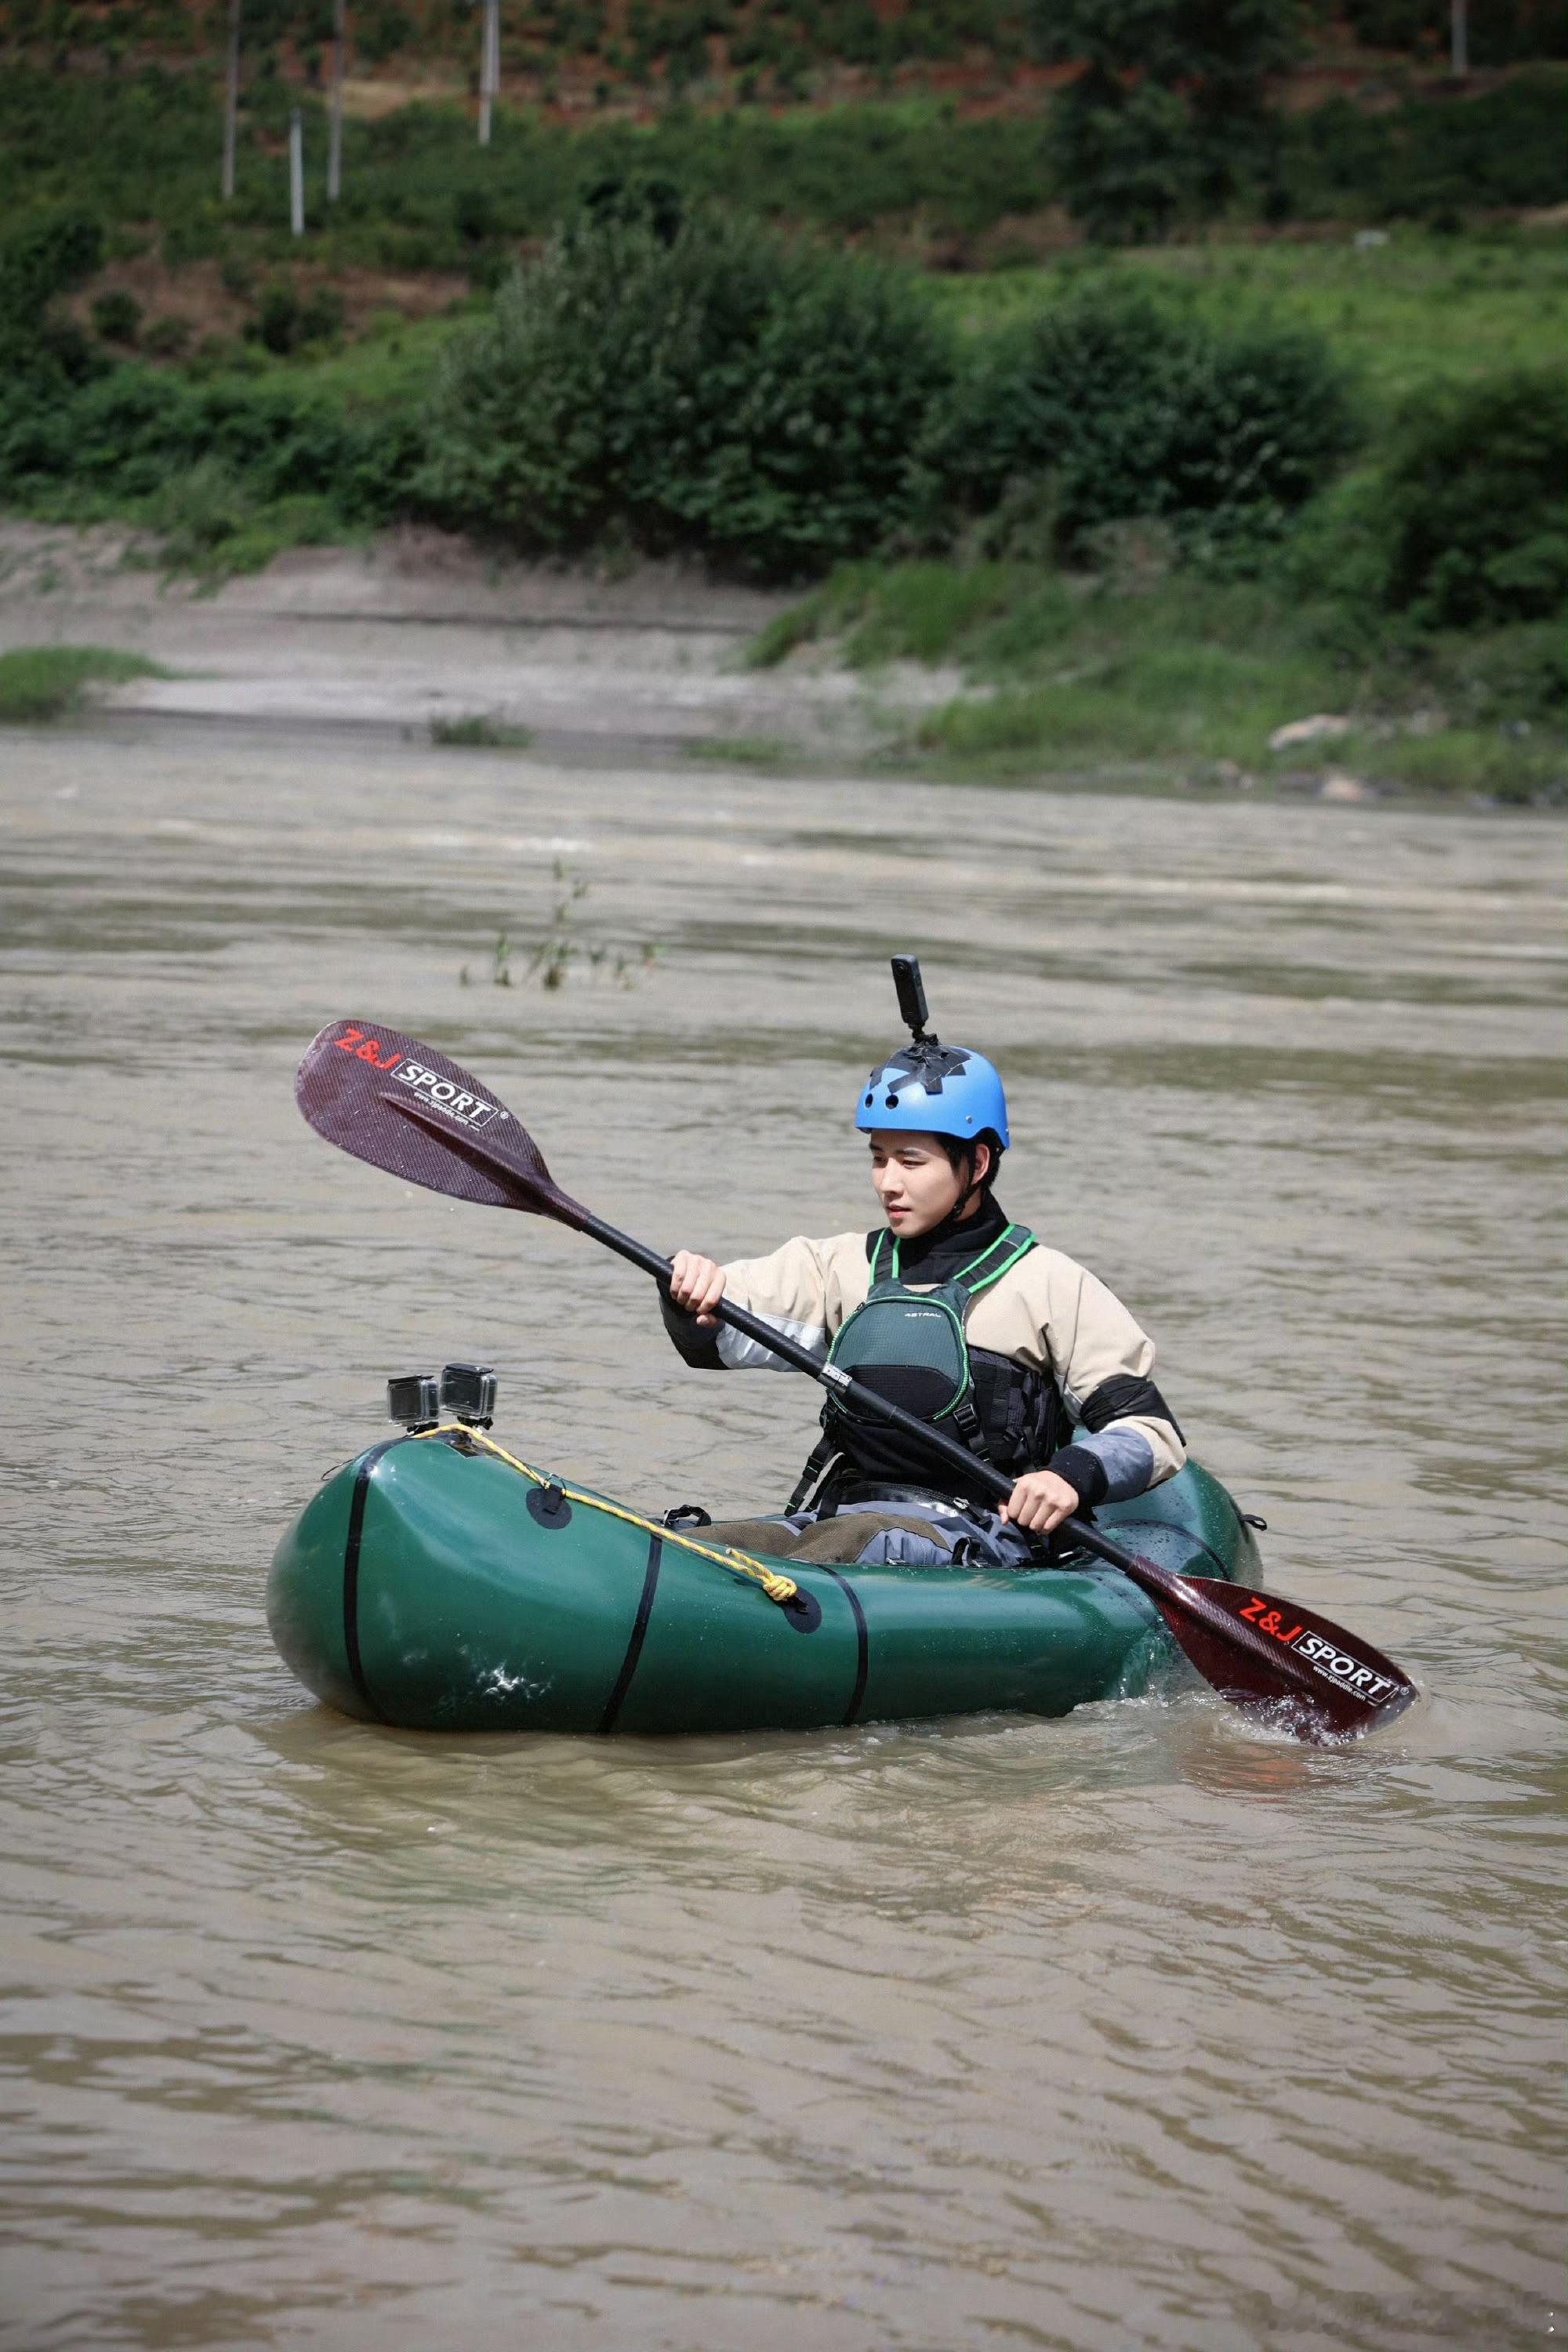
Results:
x,y
935,1089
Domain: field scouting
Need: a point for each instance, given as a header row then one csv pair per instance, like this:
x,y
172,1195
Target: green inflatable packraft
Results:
x,y
440,1584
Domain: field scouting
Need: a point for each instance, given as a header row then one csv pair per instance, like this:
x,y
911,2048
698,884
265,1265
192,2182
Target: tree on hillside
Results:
x,y
1170,109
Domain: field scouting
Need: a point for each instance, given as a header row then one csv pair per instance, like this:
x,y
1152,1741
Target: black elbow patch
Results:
x,y
1121,1397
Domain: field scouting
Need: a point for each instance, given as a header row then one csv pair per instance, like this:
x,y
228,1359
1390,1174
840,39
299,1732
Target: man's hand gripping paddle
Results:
x,y
411,1110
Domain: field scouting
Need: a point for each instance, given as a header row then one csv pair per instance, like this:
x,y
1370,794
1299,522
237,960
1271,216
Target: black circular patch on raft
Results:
x,y
549,1506
803,1613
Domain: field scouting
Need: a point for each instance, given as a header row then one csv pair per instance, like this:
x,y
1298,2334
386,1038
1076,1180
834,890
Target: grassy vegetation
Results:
x,y
1424,308
211,523
1420,310
561,948
139,151
1128,658
1189,678
40,683
479,731
389,369
419,195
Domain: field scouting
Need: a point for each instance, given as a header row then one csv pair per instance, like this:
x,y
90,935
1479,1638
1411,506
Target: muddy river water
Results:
x,y
1139,2028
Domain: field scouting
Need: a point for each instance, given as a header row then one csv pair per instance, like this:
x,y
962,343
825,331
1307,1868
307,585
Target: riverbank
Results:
x,y
1205,684
926,672
420,635
1347,519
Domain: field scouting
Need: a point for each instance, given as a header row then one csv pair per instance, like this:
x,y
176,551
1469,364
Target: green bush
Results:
x,y
211,521
1132,170
1112,407
286,321
229,448
46,257
167,337
39,683
116,316
1169,114
720,391
1470,511
1438,153
1500,677
382,31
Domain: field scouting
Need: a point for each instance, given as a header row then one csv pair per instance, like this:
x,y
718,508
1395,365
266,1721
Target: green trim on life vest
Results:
x,y
963,1280
953,1299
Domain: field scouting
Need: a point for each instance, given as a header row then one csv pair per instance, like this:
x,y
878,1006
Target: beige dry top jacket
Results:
x,y
1047,1319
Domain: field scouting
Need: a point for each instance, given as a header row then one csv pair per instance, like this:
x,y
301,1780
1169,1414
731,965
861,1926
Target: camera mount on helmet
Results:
x,y
927,1085
911,996
926,1061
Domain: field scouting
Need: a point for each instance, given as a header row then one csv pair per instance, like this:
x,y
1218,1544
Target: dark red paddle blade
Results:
x,y
1325,1684
414,1112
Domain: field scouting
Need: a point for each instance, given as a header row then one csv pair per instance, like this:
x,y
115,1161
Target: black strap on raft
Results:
x,y
687,1515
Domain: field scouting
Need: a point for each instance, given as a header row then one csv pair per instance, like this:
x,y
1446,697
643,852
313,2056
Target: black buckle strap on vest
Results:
x,y
966,1421
822,1456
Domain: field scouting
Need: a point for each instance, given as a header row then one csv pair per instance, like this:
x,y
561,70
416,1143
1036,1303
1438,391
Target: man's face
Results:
x,y
915,1181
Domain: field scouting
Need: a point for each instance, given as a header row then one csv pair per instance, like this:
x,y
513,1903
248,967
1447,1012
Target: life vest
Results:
x,y
913,1346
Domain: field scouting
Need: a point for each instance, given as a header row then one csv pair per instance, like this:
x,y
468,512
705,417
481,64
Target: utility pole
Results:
x,y
490,68
296,173
335,132
1459,38
231,101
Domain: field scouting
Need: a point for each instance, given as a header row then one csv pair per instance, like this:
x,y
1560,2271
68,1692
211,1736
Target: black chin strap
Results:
x,y
974,1191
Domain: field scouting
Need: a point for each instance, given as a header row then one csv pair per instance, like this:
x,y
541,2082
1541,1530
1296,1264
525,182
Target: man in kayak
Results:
x,y
960,1317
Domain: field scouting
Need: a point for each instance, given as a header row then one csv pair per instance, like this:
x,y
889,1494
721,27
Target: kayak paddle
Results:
x,y
403,1107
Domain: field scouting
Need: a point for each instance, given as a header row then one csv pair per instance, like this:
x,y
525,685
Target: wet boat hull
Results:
x,y
444,1589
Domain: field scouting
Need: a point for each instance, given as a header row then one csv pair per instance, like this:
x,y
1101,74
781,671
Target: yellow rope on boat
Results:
x,y
780,1589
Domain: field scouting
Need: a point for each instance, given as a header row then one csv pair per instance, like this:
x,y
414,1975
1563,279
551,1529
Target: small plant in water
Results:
x,y
559,950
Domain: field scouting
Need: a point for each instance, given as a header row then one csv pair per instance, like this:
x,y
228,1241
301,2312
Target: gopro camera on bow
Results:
x,y
468,1391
